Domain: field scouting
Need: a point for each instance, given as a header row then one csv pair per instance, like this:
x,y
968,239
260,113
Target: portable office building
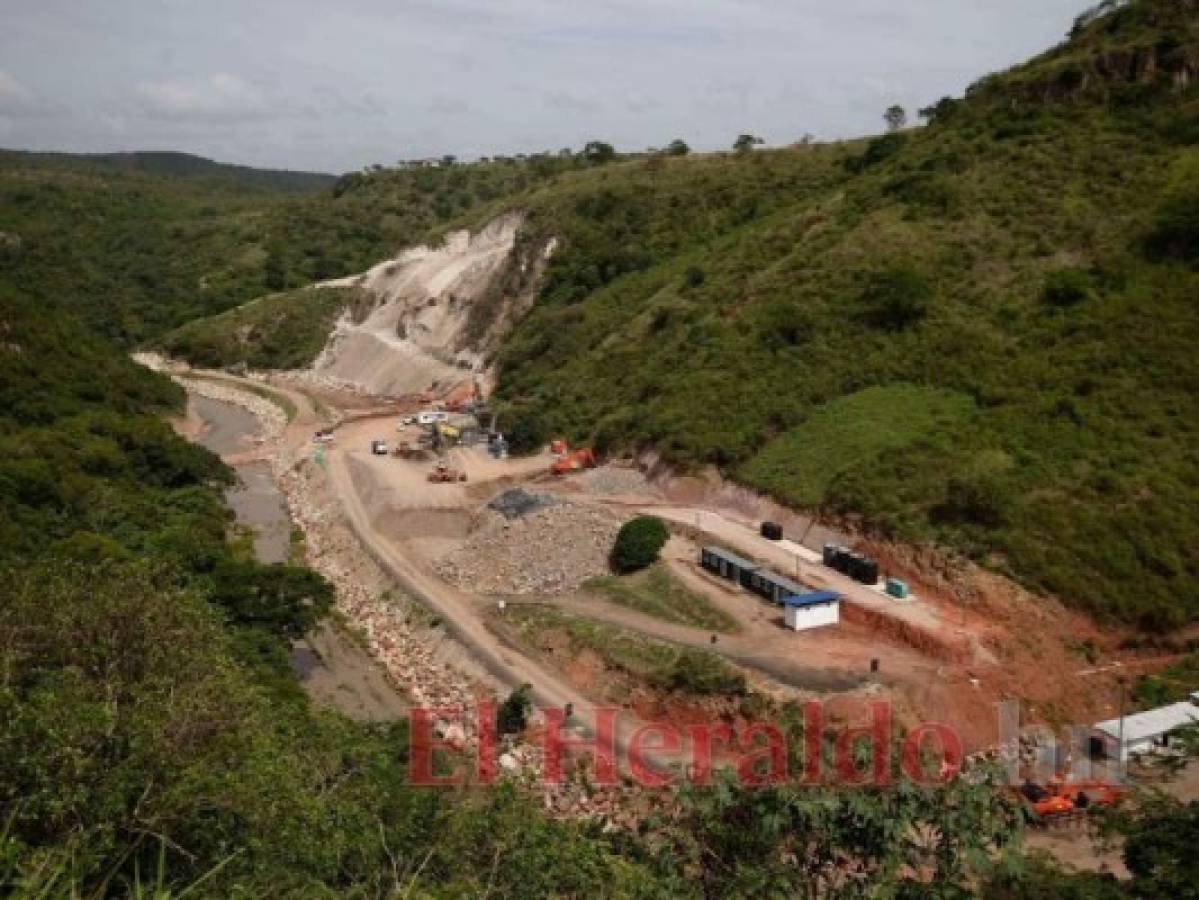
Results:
x,y
728,565
775,588
813,610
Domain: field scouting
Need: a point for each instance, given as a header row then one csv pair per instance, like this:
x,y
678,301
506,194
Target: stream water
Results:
x,y
255,500
335,671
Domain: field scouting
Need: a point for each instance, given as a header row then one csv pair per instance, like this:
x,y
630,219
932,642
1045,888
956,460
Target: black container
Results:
x,y
869,572
772,531
830,554
843,561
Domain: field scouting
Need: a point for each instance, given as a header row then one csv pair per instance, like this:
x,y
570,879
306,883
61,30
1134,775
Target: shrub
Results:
x,y
896,298
513,713
706,674
1066,287
1175,234
638,543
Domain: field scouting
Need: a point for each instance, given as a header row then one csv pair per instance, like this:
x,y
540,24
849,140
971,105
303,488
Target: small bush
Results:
x,y
638,543
896,299
1066,287
1175,234
513,713
705,674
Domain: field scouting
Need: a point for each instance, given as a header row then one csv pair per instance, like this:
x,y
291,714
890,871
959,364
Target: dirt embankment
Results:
x,y
438,313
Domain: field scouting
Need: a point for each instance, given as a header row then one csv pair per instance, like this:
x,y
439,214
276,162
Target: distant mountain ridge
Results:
x,y
173,164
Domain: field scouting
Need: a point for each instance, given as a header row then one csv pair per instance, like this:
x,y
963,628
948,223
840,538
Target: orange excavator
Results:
x,y
582,458
1061,798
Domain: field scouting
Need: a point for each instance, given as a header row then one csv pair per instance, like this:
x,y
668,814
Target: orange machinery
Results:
x,y
582,458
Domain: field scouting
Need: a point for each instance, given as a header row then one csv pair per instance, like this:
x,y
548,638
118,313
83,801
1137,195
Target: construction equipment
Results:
x,y
1058,800
444,474
583,458
405,450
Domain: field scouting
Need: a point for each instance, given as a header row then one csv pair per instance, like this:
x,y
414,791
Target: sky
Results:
x,y
334,85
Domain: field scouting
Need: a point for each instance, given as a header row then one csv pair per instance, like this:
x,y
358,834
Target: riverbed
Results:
x,y
333,668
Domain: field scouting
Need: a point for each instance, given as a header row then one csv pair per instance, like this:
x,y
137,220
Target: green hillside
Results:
x,y
137,250
184,165
1025,264
1032,252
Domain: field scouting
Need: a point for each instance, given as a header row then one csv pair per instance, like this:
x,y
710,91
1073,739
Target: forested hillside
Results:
x,y
980,333
137,250
977,334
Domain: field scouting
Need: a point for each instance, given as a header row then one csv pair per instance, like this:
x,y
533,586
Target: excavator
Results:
x,y
583,458
1061,798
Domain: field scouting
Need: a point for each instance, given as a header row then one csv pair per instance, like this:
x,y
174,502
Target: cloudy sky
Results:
x,y
333,85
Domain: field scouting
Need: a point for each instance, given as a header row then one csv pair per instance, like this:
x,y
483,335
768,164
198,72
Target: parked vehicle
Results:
x,y
429,416
379,448
444,474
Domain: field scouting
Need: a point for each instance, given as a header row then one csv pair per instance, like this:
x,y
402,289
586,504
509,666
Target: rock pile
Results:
x,y
549,551
406,651
518,502
609,480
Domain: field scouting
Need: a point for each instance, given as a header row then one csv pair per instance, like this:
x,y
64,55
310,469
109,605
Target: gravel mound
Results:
x,y
518,502
608,480
551,550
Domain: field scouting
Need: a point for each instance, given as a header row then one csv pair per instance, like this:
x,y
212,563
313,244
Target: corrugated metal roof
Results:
x,y
1152,723
731,557
788,586
815,598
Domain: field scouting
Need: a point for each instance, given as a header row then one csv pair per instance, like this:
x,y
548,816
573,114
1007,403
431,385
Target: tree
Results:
x,y
745,143
513,713
896,298
896,118
638,543
597,153
677,147
274,271
940,111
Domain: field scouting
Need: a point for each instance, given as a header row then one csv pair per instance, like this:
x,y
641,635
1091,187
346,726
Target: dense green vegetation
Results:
x,y
178,165
638,543
657,593
1028,257
278,331
136,251
1009,294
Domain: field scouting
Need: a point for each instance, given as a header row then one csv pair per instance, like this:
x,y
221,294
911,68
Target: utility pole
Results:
x,y
1123,683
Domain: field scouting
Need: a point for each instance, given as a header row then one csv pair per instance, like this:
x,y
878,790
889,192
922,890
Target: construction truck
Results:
x,y
405,450
444,474
583,458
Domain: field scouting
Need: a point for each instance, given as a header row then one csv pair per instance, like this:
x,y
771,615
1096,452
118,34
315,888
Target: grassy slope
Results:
x,y
278,331
669,321
657,593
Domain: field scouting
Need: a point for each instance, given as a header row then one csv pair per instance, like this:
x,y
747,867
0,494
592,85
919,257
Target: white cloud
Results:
x,y
15,98
219,97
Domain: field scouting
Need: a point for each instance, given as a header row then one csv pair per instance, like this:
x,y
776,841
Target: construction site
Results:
x,y
465,571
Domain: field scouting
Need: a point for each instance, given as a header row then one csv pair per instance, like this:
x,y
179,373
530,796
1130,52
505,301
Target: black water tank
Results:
x,y
772,531
830,554
841,561
869,572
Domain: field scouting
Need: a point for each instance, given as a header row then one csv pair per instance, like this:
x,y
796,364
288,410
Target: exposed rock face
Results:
x,y
437,312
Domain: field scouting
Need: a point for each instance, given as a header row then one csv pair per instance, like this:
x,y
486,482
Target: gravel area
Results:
x,y
608,480
550,551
